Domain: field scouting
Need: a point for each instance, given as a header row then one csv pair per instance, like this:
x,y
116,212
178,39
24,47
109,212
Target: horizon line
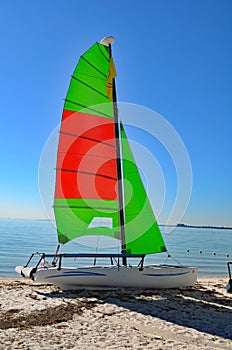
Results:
x,y
179,225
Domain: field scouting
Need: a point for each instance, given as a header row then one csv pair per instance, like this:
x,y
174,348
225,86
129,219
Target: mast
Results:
x,y
119,170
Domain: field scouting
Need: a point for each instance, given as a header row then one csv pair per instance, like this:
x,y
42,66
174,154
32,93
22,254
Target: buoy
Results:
x,y
200,251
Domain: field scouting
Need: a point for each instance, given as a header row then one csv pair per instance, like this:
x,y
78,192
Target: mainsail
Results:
x,y
86,194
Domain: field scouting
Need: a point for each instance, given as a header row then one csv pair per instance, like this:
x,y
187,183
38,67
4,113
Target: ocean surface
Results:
x,y
208,249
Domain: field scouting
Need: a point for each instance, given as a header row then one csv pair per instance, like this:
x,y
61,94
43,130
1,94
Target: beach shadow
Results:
x,y
193,308
206,295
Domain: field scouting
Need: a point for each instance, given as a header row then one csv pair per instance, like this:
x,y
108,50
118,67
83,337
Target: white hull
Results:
x,y
104,277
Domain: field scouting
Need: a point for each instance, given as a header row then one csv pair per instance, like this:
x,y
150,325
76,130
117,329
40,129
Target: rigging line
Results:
x,y
170,256
98,239
87,107
82,207
86,138
93,66
87,173
103,54
90,87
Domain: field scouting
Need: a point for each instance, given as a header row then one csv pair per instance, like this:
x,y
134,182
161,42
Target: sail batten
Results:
x,y
87,109
87,173
90,87
92,65
86,138
103,52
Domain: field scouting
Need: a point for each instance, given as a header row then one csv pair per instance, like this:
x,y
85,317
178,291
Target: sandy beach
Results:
x,y
38,316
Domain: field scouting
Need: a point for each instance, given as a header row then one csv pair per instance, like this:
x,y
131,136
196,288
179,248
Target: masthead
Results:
x,y
109,40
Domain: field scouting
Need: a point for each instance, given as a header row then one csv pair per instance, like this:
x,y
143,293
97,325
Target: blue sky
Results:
x,y
172,56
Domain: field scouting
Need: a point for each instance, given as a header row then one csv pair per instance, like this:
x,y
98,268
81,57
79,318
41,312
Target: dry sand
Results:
x,y
37,316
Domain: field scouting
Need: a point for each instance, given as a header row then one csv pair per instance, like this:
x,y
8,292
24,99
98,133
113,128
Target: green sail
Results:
x,y
78,217
88,83
141,229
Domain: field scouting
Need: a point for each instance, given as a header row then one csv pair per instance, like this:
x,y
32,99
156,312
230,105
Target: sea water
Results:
x,y
208,249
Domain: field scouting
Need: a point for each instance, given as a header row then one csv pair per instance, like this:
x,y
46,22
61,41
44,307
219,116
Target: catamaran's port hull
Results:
x,y
105,277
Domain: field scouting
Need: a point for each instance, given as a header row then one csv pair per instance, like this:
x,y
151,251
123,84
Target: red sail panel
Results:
x,y
86,164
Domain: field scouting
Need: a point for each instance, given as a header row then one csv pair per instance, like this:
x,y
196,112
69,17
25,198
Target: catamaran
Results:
x,y
99,191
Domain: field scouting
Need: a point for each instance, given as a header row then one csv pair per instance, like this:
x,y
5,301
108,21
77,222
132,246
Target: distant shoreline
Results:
x,y
205,226
199,226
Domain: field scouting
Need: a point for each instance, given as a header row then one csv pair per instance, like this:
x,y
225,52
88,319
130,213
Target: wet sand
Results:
x,y
38,316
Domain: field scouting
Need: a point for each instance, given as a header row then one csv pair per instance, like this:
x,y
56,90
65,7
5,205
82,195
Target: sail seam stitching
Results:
x,y
87,155
82,207
89,75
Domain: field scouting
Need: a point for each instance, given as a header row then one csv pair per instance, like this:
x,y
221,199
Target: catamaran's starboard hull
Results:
x,y
100,277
